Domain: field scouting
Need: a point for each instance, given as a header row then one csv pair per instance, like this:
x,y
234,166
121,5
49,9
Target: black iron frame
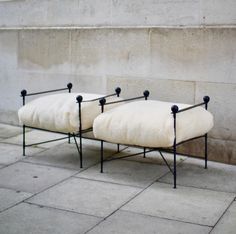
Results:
x,y
79,134
173,149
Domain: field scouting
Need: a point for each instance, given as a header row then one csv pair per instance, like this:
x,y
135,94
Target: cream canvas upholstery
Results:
x,y
59,112
150,124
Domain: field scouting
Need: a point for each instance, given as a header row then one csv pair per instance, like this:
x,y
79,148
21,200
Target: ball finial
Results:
x,y
102,101
175,109
79,99
23,93
69,85
118,90
146,93
206,99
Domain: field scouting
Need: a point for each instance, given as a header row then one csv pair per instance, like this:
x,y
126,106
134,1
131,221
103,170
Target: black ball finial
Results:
x,y
118,90
102,101
146,94
79,99
206,99
23,93
175,109
69,85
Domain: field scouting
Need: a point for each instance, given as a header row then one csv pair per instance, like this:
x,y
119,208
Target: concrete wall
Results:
x,y
15,13
167,47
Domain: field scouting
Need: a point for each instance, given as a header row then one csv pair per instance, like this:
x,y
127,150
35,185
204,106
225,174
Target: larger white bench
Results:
x,y
154,125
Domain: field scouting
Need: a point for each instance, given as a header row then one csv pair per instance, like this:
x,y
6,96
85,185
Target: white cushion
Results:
x,y
59,112
150,124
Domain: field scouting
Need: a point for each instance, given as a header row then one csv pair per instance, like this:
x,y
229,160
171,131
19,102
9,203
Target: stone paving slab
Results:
x,y
130,223
227,224
66,156
86,196
36,136
126,172
31,178
12,153
7,131
185,204
152,157
218,176
9,198
25,218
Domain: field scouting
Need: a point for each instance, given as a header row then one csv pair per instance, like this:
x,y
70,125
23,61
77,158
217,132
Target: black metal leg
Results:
x,y
23,140
68,138
144,152
118,148
80,147
101,156
174,164
79,151
206,156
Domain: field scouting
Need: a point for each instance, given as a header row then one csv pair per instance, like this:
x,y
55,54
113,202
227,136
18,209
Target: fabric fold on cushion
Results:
x,y
150,124
60,112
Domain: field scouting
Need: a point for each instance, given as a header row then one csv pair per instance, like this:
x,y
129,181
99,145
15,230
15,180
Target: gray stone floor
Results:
x,y
47,192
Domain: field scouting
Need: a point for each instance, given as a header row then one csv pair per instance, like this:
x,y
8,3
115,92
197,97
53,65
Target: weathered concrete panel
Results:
x,y
105,51
128,52
78,12
116,13
8,75
217,12
222,106
165,90
44,50
218,150
88,50
197,55
19,13
148,12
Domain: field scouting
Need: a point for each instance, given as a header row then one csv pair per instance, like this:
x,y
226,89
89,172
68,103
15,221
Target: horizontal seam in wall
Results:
x,y
121,27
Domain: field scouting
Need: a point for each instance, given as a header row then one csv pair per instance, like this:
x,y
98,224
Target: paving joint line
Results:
x,y
227,208
190,186
61,209
108,182
49,165
159,217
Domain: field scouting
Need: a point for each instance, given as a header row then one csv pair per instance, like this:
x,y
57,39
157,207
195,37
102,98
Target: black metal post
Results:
x,y
144,152
101,154
206,154
69,86
206,99
23,94
68,138
102,103
23,140
118,148
174,111
79,100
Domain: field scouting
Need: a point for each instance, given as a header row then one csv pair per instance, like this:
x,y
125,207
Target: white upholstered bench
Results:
x,y
66,113
153,124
